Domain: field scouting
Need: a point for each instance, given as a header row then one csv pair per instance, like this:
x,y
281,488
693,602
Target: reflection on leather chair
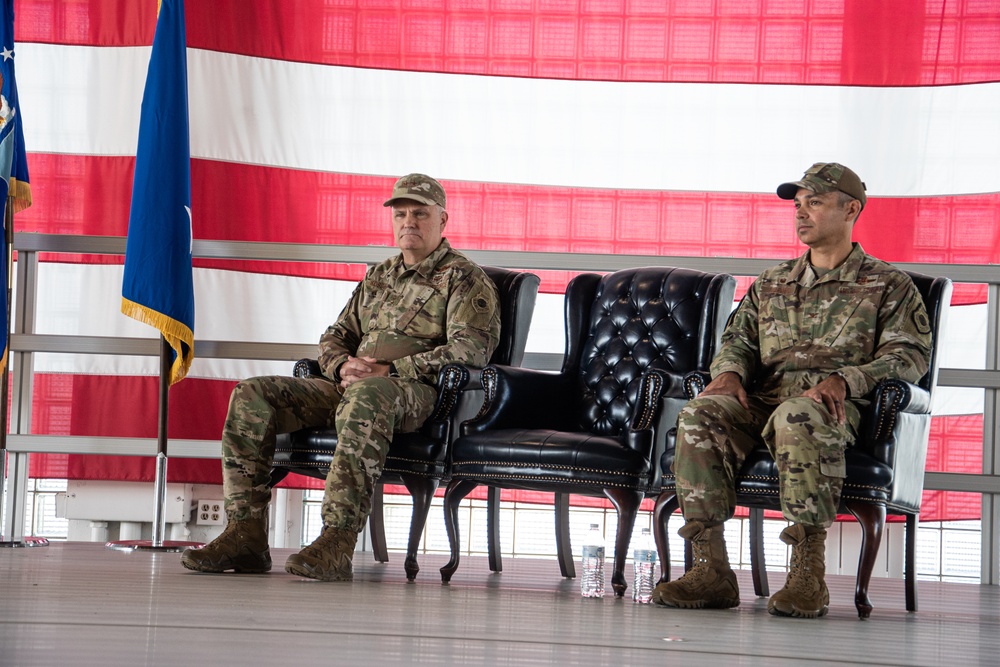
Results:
x,y
592,427
885,467
419,460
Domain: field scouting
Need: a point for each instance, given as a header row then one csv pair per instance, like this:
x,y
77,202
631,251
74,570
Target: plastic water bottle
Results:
x,y
592,580
644,564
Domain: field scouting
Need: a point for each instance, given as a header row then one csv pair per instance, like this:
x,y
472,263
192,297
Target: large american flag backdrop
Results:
x,y
597,126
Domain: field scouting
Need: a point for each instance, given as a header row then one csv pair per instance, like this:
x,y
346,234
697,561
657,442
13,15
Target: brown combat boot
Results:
x,y
328,558
805,594
710,583
242,547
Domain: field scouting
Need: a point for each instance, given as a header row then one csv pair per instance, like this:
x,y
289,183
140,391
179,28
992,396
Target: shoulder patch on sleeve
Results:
x,y
480,303
921,322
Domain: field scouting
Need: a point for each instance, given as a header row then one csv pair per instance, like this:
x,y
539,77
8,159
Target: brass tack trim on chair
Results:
x,y
548,465
304,451
489,380
454,379
653,384
409,472
545,479
400,458
760,477
891,412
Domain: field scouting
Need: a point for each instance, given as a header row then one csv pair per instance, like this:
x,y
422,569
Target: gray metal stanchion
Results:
x,y
160,485
7,505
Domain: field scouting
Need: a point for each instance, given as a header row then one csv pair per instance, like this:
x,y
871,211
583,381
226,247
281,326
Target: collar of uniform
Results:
x,y
847,271
426,267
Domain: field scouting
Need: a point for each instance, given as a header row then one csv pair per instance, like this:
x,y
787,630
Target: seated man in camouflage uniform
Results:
x,y
810,339
411,315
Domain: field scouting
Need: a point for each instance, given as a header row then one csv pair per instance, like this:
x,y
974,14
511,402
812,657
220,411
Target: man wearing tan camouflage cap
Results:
x,y
811,338
412,314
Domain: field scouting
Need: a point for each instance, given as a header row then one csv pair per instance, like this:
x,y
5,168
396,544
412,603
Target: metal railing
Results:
x,y
25,342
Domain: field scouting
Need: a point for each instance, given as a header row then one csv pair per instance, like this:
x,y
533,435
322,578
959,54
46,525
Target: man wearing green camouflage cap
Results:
x,y
412,314
811,338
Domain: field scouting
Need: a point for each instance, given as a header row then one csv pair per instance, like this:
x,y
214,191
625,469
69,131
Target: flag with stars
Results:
x,y
18,186
14,190
157,287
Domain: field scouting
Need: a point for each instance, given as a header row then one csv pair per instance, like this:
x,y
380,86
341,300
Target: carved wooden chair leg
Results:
x,y
758,566
493,528
564,548
910,575
627,504
376,523
422,489
872,520
458,489
666,505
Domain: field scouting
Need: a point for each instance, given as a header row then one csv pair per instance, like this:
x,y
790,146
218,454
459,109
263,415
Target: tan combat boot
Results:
x,y
710,583
328,558
242,547
805,594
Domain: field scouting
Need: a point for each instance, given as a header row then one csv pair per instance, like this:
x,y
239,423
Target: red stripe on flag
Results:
x,y
89,195
925,44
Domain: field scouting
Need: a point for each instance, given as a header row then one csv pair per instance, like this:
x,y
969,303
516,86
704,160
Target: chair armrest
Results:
x,y
452,381
889,400
695,383
645,415
647,407
524,398
306,368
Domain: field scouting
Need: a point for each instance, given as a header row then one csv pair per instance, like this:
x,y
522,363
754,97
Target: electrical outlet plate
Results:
x,y
209,513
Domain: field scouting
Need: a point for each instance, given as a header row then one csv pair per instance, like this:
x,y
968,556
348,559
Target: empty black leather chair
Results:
x,y
592,428
419,460
885,467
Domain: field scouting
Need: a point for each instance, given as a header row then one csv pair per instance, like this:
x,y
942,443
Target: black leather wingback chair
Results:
x,y
419,460
592,427
885,467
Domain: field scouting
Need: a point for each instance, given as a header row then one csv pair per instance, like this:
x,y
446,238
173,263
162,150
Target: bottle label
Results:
x,y
590,551
644,556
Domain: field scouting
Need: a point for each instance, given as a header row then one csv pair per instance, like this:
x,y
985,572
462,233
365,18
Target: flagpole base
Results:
x,y
26,543
167,546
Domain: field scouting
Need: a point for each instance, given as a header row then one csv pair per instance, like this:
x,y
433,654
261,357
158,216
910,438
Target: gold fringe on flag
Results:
x,y
177,335
21,193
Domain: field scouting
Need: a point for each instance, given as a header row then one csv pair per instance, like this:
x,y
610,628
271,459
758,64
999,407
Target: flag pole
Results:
x,y
160,481
8,241
160,236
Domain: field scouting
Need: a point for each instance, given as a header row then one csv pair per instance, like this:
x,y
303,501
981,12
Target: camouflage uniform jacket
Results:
x,y
444,309
865,319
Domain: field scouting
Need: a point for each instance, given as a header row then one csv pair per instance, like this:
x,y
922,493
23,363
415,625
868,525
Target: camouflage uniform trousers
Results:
x,y
365,415
715,434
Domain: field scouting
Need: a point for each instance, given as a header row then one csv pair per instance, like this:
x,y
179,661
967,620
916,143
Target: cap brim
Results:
x,y
789,190
417,198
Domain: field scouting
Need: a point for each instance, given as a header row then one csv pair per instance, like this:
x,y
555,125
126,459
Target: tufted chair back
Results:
x,y
596,427
639,319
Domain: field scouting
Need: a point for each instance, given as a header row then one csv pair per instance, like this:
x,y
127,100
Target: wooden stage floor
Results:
x,y
80,604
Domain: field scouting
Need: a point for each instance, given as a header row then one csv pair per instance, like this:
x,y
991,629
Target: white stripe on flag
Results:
x,y
660,136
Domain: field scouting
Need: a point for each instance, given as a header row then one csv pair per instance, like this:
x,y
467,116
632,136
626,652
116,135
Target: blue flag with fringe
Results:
x,y
158,286
14,189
